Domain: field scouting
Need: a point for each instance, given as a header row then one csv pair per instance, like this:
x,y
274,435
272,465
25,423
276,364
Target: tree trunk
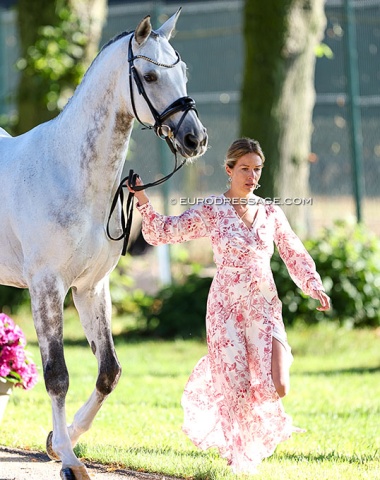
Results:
x,y
92,14
33,89
278,94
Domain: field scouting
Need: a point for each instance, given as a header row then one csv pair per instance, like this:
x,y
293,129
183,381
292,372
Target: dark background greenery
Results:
x,y
347,257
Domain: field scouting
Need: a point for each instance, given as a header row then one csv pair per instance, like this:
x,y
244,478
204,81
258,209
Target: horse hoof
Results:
x,y
49,448
75,473
67,474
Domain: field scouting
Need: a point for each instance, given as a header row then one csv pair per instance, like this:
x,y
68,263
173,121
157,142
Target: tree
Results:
x,y
58,41
278,94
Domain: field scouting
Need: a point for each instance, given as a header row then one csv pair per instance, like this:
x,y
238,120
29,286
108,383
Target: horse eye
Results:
x,y
150,77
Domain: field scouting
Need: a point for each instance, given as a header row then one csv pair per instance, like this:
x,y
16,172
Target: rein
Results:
x,y
183,104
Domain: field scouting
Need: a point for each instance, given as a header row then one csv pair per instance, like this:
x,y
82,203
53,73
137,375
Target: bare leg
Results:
x,y
94,308
280,368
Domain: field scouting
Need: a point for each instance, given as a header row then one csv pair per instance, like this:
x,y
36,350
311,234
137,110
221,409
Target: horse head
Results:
x,y
158,89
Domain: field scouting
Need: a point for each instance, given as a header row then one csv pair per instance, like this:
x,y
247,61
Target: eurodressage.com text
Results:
x,y
240,201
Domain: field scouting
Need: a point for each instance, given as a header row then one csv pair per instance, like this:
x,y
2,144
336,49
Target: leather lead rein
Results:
x,y
183,104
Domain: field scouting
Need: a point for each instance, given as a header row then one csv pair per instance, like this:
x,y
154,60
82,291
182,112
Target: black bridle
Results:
x,y
183,104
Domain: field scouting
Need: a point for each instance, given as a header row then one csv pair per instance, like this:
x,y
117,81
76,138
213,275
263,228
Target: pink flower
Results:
x,y
15,365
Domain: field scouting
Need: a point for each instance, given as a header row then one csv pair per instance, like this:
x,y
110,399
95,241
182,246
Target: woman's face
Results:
x,y
246,173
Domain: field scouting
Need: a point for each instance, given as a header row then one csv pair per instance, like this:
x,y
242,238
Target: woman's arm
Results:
x,y
300,265
159,229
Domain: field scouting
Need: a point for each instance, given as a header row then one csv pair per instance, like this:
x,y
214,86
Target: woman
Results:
x,y
233,398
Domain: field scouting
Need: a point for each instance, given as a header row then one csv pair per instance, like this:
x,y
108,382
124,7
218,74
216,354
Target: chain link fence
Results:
x,y
210,41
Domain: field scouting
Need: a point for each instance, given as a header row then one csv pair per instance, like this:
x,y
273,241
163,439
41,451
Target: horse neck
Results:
x,y
97,125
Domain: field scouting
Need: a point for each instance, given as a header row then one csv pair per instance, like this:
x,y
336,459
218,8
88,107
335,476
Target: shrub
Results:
x,y
179,310
347,257
12,298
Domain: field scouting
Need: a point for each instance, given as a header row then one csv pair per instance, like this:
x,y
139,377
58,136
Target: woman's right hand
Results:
x,y
140,195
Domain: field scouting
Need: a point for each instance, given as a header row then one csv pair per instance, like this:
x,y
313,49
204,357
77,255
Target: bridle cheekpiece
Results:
x,y
163,131
183,104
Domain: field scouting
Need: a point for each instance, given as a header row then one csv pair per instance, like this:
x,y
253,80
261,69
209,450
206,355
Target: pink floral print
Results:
x,y
230,401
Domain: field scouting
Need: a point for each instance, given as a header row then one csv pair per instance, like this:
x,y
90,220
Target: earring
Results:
x,y
257,186
229,179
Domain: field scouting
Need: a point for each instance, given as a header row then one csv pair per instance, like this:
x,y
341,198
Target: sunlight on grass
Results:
x,y
335,396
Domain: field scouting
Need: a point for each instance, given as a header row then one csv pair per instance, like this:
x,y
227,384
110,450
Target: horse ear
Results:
x,y
167,28
143,30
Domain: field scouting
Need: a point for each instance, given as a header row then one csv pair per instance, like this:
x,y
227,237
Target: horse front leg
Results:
x,y
94,308
47,296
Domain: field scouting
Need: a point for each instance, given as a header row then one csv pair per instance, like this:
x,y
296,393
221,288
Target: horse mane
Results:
x,y
110,42
113,40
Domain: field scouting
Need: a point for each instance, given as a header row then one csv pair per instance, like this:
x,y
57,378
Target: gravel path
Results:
x,y
25,465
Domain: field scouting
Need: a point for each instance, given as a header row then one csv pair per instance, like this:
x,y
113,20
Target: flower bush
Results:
x,y
15,364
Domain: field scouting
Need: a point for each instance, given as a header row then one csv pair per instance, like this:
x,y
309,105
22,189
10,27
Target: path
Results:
x,y
25,465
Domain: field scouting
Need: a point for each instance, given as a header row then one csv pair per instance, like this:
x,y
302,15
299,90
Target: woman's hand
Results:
x,y
140,195
323,298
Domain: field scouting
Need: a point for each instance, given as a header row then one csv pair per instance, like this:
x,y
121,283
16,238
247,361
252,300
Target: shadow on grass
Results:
x,y
342,371
205,471
120,339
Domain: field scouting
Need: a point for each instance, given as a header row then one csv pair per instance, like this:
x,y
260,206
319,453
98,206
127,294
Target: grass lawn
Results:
x,y
335,395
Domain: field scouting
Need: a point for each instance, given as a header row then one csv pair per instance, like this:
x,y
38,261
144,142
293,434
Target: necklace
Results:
x,y
240,203
242,216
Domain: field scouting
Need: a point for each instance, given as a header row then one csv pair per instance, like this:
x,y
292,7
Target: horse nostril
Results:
x,y
191,141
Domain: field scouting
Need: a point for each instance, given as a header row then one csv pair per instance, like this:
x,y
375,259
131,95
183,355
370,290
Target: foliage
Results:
x,y
179,310
323,50
127,300
12,298
347,257
56,57
15,364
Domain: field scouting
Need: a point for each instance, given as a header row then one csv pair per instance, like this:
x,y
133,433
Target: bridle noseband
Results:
x,y
183,104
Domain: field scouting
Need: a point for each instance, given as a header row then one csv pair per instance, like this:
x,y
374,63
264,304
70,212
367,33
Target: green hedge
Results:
x,y
12,298
347,258
179,310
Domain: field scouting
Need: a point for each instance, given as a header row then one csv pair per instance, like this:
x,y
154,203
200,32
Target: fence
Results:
x,y
210,40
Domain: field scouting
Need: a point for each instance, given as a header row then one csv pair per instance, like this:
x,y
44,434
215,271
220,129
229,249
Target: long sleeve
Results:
x,y
159,229
300,265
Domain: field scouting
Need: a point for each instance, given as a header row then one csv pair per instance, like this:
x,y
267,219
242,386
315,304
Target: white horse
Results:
x,y
58,181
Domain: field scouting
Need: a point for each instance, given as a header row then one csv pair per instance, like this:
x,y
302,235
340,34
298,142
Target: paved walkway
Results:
x,y
25,465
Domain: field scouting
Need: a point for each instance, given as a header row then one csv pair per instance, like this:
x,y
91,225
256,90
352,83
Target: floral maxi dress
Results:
x,y
230,401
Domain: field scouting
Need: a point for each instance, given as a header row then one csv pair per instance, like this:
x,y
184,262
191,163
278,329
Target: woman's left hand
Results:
x,y
323,298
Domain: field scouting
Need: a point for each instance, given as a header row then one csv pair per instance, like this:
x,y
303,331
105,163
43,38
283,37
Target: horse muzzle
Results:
x,y
192,143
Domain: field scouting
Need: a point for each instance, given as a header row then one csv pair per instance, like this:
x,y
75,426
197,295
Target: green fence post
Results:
x,y
164,258
354,103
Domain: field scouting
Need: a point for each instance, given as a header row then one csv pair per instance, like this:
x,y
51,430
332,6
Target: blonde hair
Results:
x,y
241,147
